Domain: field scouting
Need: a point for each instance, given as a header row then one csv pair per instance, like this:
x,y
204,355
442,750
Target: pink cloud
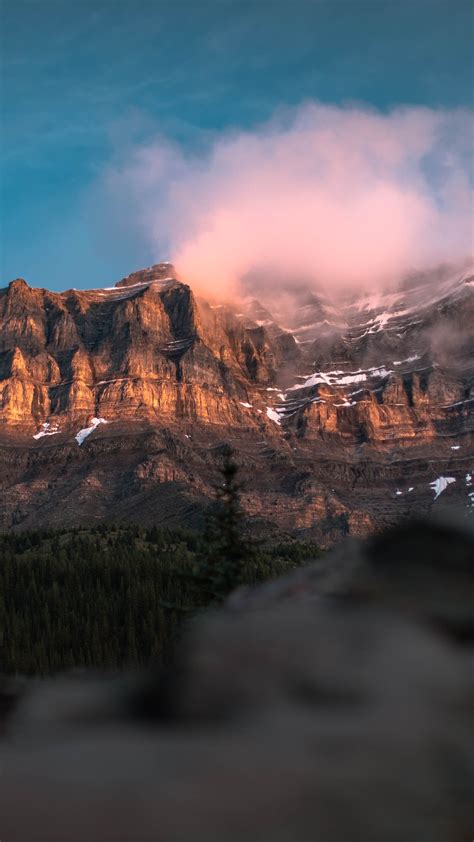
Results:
x,y
338,196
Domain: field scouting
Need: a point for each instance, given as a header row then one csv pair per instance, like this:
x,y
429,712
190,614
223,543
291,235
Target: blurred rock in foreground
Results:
x,y
332,705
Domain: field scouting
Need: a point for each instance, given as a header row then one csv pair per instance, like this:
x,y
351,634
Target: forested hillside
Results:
x,y
110,596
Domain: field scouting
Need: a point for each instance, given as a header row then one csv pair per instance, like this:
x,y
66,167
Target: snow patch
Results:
x,y
339,378
82,434
408,360
455,446
120,289
439,485
273,415
47,430
248,405
458,403
114,380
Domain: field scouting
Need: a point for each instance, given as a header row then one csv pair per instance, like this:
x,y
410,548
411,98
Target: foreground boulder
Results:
x,y
331,705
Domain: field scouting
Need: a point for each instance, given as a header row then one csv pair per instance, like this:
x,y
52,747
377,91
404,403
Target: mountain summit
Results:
x,y
115,403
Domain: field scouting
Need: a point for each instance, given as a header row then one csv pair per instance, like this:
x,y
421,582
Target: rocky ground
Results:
x,y
334,704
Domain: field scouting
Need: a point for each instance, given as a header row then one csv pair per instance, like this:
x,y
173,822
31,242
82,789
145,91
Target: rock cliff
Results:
x,y
114,403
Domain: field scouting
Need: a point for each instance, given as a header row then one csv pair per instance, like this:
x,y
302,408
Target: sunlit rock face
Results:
x,y
334,417
139,350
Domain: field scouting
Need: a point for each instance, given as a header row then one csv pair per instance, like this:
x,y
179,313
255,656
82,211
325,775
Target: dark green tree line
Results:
x,y
111,597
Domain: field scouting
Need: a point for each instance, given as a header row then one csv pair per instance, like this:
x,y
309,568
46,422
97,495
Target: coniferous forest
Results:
x,y
108,597
118,596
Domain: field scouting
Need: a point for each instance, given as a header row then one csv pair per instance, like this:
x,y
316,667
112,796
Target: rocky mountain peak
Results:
x,y
157,272
18,284
342,417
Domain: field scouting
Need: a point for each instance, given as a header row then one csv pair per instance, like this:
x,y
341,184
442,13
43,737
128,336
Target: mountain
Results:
x,y
346,415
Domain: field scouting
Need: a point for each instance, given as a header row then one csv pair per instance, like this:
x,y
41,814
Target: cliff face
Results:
x,y
114,403
144,349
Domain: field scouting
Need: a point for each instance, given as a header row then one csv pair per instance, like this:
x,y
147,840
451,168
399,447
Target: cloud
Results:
x,y
338,197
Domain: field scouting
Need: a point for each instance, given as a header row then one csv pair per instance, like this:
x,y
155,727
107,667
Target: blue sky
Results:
x,y
83,82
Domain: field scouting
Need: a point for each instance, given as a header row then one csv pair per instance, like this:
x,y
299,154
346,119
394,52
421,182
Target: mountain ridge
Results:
x,y
86,374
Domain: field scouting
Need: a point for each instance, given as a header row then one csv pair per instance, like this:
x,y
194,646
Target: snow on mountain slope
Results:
x,y
334,408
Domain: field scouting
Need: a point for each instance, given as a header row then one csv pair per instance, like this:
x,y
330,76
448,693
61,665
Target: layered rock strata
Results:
x,y
114,403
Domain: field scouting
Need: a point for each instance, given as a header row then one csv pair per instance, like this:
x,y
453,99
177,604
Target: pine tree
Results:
x,y
226,550
220,564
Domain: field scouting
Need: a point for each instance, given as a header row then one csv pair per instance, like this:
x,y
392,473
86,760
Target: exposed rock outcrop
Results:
x,y
381,391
